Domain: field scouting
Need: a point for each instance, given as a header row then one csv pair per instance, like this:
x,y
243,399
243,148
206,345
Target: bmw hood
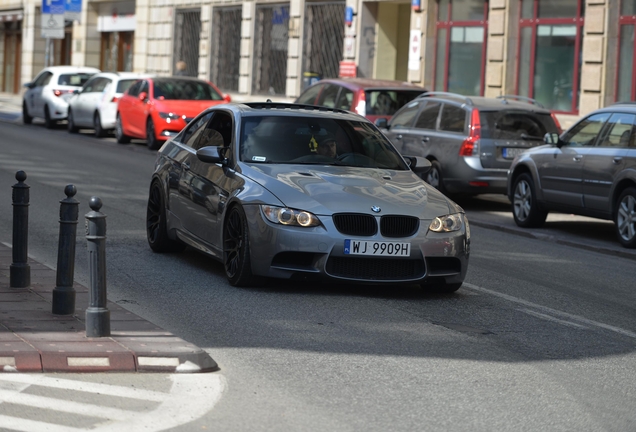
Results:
x,y
324,190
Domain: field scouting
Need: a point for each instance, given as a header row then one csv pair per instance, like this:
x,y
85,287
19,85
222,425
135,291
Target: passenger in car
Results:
x,y
327,147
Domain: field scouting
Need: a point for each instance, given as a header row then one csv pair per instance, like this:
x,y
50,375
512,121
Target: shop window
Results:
x,y
461,46
626,79
549,60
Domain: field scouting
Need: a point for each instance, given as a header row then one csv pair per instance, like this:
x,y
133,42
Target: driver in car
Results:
x,y
327,147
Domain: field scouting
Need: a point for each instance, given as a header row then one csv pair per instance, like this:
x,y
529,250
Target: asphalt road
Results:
x,y
540,337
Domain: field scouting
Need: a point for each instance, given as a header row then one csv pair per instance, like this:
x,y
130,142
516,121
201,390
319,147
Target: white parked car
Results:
x,y
94,106
48,94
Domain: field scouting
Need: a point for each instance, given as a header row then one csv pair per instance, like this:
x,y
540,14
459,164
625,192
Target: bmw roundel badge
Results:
x,y
376,209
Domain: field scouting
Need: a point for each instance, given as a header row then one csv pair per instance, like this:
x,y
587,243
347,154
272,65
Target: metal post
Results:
x,y
64,293
47,53
97,315
20,271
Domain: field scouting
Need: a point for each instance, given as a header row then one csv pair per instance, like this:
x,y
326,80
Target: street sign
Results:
x,y
52,26
415,43
72,10
348,69
53,7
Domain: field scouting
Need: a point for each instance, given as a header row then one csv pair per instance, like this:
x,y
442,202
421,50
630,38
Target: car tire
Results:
x,y
625,218
151,139
26,118
156,223
49,123
525,208
434,176
119,132
71,127
236,250
97,125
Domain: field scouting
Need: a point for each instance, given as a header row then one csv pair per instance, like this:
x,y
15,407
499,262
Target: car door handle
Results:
x,y
399,137
577,158
425,139
617,160
186,166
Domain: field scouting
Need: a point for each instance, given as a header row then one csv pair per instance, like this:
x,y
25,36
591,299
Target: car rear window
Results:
x,y
387,102
516,125
177,89
124,85
74,79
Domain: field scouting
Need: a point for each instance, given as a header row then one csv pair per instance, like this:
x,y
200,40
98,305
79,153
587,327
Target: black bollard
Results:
x,y
20,271
97,315
64,293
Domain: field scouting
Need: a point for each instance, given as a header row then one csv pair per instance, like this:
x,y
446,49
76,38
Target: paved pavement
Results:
x,y
32,339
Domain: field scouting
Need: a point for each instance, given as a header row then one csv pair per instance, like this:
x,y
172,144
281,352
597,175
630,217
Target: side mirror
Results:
x,y
418,164
382,123
143,96
227,98
551,138
210,154
76,91
28,85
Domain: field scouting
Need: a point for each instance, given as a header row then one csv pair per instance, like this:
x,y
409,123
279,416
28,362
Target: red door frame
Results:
x,y
533,23
448,25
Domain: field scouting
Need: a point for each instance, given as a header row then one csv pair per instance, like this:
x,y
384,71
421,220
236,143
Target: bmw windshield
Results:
x,y
316,141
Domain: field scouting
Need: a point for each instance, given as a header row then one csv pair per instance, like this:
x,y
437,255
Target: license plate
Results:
x,y
358,247
511,153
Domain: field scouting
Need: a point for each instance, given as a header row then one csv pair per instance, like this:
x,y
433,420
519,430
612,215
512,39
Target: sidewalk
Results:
x,y
10,107
32,339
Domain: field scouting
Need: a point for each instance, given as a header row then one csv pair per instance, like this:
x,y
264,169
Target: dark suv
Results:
x,y
470,141
590,170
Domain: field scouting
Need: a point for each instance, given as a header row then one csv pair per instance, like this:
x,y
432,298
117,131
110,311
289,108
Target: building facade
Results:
x,y
572,56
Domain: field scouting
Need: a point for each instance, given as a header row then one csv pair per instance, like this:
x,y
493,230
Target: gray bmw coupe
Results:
x,y
302,192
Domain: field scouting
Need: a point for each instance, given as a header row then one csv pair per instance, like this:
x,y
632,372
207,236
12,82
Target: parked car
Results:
x,y
470,141
248,185
590,170
48,94
94,106
156,109
370,98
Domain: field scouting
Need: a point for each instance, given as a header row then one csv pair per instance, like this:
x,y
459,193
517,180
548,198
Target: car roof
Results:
x,y
627,106
70,69
369,83
488,103
123,75
284,109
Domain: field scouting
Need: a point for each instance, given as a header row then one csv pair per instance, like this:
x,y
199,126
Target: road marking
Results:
x,y
551,311
553,319
175,408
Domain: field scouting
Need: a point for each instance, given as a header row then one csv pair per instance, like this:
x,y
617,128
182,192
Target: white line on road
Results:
x,y
26,425
551,311
553,319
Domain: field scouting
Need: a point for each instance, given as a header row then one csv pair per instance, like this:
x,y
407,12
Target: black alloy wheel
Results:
x,y
525,208
26,118
121,137
625,218
97,125
156,226
49,123
236,254
151,138
71,123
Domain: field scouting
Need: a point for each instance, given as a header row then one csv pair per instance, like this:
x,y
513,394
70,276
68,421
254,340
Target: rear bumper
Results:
x,y
469,177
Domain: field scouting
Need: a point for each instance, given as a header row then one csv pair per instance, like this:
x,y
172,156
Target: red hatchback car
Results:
x,y
156,109
370,98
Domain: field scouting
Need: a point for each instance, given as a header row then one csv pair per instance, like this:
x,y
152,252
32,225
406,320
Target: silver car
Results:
x,y
470,141
301,192
590,170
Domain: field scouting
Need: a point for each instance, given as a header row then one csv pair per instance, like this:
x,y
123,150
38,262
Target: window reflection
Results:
x,y
626,60
557,8
554,66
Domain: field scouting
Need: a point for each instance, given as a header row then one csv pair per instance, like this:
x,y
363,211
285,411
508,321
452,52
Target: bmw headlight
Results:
x,y
449,223
287,216
169,115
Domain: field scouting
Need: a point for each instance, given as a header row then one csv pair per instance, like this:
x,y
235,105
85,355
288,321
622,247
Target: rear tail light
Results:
x,y
361,107
115,99
556,121
58,92
470,146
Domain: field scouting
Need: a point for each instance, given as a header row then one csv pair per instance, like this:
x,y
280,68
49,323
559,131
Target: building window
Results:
x,y
460,55
625,88
117,51
549,59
